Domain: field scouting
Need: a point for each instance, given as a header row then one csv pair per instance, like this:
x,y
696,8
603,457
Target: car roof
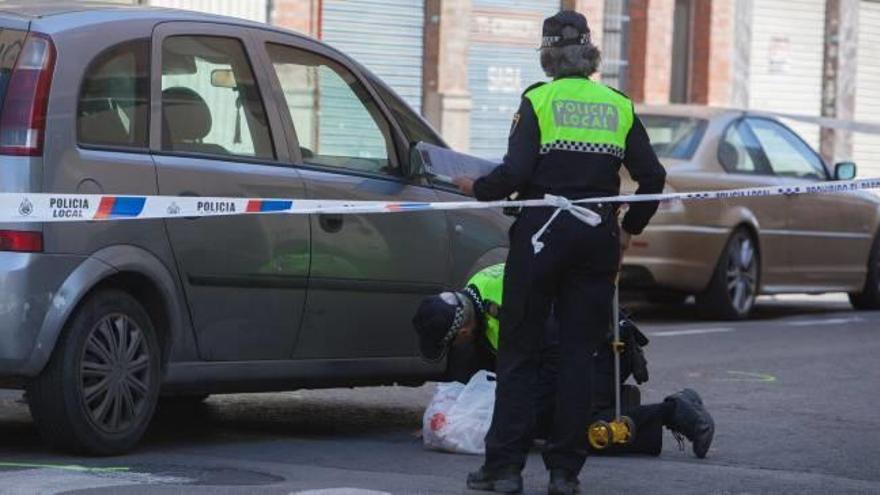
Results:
x,y
39,10
687,110
63,15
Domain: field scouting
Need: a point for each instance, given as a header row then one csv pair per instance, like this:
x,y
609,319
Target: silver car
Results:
x,y
97,319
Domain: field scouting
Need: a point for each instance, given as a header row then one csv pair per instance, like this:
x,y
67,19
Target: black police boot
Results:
x,y
503,480
563,482
692,420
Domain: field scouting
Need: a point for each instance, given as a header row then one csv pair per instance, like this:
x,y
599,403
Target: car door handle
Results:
x,y
331,223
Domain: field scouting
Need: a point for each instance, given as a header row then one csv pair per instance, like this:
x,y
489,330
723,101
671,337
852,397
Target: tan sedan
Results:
x,y
726,252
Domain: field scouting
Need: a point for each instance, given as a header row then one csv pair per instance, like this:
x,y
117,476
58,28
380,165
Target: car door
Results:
x,y
827,233
740,154
368,272
245,276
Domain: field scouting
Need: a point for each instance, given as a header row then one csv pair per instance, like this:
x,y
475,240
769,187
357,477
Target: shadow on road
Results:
x,y
232,418
307,415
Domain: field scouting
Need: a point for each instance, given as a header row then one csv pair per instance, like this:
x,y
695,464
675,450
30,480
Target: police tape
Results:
x,y
48,207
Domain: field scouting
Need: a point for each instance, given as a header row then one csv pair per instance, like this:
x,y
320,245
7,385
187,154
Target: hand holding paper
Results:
x,y
465,185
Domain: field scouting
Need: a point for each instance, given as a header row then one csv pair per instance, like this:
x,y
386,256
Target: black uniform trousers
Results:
x,y
574,276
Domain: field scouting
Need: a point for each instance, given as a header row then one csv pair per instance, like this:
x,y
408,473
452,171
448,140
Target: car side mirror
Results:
x,y
845,171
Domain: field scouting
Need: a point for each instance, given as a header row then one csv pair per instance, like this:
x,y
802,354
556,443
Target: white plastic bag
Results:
x,y
458,417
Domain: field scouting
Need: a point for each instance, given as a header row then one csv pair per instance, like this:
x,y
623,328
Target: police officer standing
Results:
x,y
568,139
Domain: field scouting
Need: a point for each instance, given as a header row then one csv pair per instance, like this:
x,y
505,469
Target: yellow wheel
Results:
x,y
600,435
624,430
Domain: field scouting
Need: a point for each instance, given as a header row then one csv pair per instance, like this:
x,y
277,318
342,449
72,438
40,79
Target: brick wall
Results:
x,y
650,50
658,51
722,44
638,38
300,15
700,55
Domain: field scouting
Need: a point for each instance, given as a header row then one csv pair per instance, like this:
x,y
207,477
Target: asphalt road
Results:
x,y
794,393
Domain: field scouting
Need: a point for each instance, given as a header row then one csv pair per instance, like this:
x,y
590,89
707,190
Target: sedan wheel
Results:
x,y
742,274
869,297
734,287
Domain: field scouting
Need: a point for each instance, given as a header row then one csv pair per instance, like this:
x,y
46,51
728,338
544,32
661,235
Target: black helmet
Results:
x,y
554,26
437,321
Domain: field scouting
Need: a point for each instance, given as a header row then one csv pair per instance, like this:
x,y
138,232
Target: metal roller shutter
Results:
x,y
866,147
254,10
502,63
786,60
386,36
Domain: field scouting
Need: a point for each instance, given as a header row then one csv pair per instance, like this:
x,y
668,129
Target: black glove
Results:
x,y
634,340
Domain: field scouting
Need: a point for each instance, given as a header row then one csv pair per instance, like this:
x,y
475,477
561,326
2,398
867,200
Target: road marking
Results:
x,y
827,321
692,331
64,467
340,491
51,481
749,376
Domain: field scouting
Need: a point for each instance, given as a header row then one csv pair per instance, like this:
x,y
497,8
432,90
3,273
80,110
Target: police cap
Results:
x,y
554,27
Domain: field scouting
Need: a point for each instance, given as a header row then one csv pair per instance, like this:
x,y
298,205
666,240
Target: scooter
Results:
x,y
621,430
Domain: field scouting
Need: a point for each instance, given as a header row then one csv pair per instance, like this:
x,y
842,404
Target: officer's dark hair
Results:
x,y
571,60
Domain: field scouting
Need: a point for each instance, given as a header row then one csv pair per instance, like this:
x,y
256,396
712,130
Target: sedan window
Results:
x,y
739,151
674,137
788,155
336,120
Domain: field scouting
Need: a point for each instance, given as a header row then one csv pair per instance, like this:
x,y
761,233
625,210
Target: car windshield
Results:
x,y
674,137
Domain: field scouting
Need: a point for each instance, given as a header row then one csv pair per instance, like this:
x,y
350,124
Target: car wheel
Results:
x,y
99,390
869,297
734,287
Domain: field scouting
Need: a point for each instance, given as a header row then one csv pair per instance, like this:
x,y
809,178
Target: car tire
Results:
x,y
734,286
99,390
869,297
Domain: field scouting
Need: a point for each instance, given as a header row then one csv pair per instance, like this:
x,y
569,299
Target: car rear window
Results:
x,y
674,137
11,42
114,97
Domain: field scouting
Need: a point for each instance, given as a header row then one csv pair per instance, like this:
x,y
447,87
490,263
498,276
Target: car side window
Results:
x,y
413,127
337,122
114,98
210,100
739,151
787,154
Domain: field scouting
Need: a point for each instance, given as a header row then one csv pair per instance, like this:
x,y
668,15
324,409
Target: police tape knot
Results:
x,y
561,203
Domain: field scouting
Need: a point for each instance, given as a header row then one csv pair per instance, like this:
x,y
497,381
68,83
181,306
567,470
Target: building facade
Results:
x,y
465,63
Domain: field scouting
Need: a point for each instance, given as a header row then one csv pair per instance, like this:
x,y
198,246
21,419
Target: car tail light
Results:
x,y
21,241
23,122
